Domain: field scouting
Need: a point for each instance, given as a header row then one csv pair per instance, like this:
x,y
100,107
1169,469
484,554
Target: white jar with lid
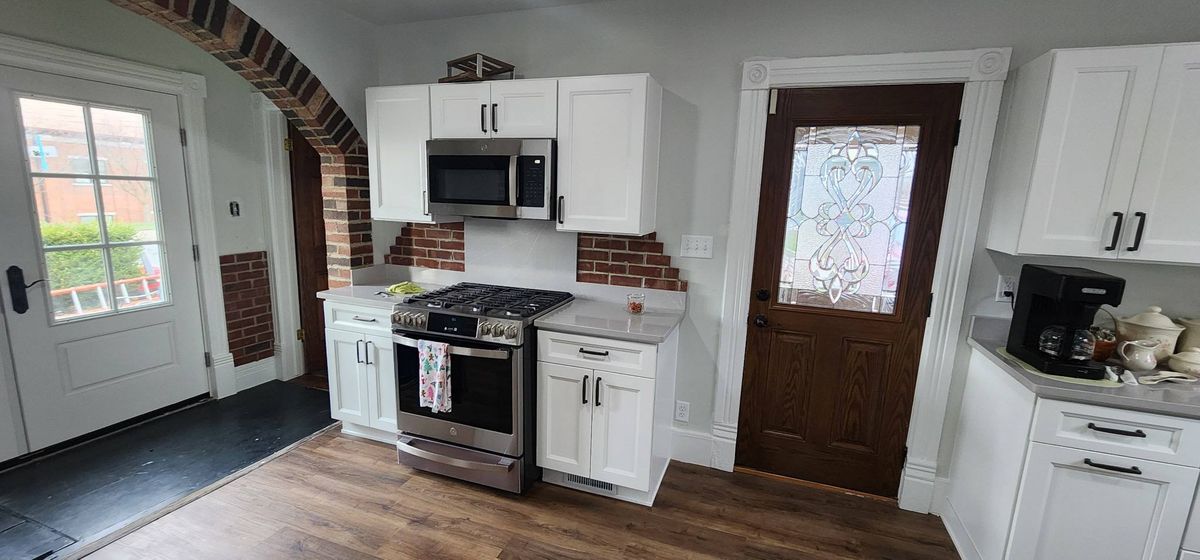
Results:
x,y
1151,324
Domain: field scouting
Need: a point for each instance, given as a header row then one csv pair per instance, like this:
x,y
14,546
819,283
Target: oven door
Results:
x,y
473,178
485,402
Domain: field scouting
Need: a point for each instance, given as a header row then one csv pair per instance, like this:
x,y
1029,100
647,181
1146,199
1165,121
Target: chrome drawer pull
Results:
x,y
1136,433
365,319
1114,468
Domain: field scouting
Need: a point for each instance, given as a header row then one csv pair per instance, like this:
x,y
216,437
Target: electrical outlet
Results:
x,y
683,410
1005,284
696,246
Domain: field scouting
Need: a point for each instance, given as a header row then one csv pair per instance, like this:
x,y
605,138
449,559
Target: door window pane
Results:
x,y
847,215
112,226
79,283
121,142
55,136
130,210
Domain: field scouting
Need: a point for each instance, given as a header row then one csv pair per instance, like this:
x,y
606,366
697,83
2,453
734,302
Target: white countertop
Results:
x,y
610,320
369,295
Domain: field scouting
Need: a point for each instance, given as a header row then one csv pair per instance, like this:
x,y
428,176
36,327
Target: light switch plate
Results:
x,y
696,246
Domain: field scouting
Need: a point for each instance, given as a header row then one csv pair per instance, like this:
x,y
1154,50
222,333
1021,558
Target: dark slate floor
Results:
x,y
88,490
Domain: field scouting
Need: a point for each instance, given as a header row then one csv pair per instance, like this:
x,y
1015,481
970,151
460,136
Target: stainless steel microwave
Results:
x,y
500,178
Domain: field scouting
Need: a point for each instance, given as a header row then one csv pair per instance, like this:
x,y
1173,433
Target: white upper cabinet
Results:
x,y
1167,190
524,109
608,142
397,129
460,110
499,109
1092,162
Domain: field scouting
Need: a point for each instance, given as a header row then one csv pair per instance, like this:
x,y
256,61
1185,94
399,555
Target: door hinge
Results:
x,y
774,101
957,131
287,144
196,253
300,334
183,136
207,359
929,309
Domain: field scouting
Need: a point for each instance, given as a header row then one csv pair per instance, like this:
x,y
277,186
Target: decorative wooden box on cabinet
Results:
x,y
1097,156
362,371
604,413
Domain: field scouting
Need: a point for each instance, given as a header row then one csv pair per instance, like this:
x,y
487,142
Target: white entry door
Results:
x,y
94,213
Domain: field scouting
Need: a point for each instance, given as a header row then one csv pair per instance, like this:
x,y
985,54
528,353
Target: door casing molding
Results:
x,y
982,71
191,90
281,238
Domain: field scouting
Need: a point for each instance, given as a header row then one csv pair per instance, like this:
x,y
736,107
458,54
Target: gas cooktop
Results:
x,y
486,300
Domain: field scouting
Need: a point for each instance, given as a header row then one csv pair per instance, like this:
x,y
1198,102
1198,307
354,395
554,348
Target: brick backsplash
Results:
x,y
246,285
635,262
439,246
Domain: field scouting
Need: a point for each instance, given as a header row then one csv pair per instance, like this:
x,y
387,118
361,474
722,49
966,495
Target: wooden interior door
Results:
x,y
309,219
853,189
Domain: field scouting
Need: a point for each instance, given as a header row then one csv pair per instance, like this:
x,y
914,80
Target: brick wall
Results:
x,y
635,262
246,285
439,246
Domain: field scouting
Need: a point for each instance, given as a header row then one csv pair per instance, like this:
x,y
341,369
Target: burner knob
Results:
x,y
485,329
510,332
409,319
419,320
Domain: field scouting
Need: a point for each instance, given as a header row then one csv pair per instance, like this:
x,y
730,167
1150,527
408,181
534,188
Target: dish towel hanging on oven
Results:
x,y
434,375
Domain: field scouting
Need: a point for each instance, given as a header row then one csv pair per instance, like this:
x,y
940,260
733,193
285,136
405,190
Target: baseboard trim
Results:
x,y
958,532
917,487
690,446
256,373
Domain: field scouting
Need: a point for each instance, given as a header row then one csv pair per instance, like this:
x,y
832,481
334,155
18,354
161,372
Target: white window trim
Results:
x,y
982,71
191,90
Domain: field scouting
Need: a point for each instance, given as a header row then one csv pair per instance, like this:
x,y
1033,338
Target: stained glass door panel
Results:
x,y
848,209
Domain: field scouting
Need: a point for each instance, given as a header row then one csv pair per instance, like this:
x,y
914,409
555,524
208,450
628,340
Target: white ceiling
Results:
x,y
404,11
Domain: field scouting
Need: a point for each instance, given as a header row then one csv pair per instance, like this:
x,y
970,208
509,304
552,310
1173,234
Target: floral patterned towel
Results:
x,y
434,370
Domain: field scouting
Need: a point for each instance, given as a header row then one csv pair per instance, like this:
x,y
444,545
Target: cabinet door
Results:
x,y
1167,191
608,153
564,419
1069,509
381,383
461,110
348,398
397,129
1095,117
622,426
525,108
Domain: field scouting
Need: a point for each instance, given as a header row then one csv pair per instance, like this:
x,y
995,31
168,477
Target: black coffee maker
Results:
x,y
1054,304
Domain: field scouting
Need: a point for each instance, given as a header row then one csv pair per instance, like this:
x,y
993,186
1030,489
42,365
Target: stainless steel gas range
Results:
x,y
487,436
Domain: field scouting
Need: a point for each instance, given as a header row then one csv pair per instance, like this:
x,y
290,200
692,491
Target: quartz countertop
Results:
x,y
988,334
368,295
611,320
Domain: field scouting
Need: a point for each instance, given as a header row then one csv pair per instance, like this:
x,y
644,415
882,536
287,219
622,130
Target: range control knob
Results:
x,y
419,320
485,329
510,332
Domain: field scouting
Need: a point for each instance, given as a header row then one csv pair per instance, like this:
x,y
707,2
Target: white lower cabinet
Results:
x,y
362,378
1095,483
610,430
1077,504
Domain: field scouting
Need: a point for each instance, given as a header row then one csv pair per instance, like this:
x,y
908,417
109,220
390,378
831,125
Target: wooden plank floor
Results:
x,y
342,497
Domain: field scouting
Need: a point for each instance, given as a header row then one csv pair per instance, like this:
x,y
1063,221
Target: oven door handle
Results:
x,y
408,445
458,350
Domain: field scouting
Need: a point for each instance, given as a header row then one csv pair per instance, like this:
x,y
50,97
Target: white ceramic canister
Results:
x,y
1151,324
1191,334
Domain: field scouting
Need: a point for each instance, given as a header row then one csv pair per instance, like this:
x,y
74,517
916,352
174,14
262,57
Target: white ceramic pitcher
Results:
x,y
1140,356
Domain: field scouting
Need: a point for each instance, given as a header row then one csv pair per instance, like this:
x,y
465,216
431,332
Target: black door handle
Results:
x,y
17,287
763,295
1136,433
585,378
1114,468
1137,237
597,391
495,127
483,117
1112,245
760,320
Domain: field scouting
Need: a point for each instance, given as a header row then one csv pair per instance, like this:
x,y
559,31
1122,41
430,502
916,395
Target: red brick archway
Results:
x,y
227,33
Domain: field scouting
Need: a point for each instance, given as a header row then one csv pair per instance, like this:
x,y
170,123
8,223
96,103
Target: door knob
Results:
x,y
17,287
760,320
763,295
